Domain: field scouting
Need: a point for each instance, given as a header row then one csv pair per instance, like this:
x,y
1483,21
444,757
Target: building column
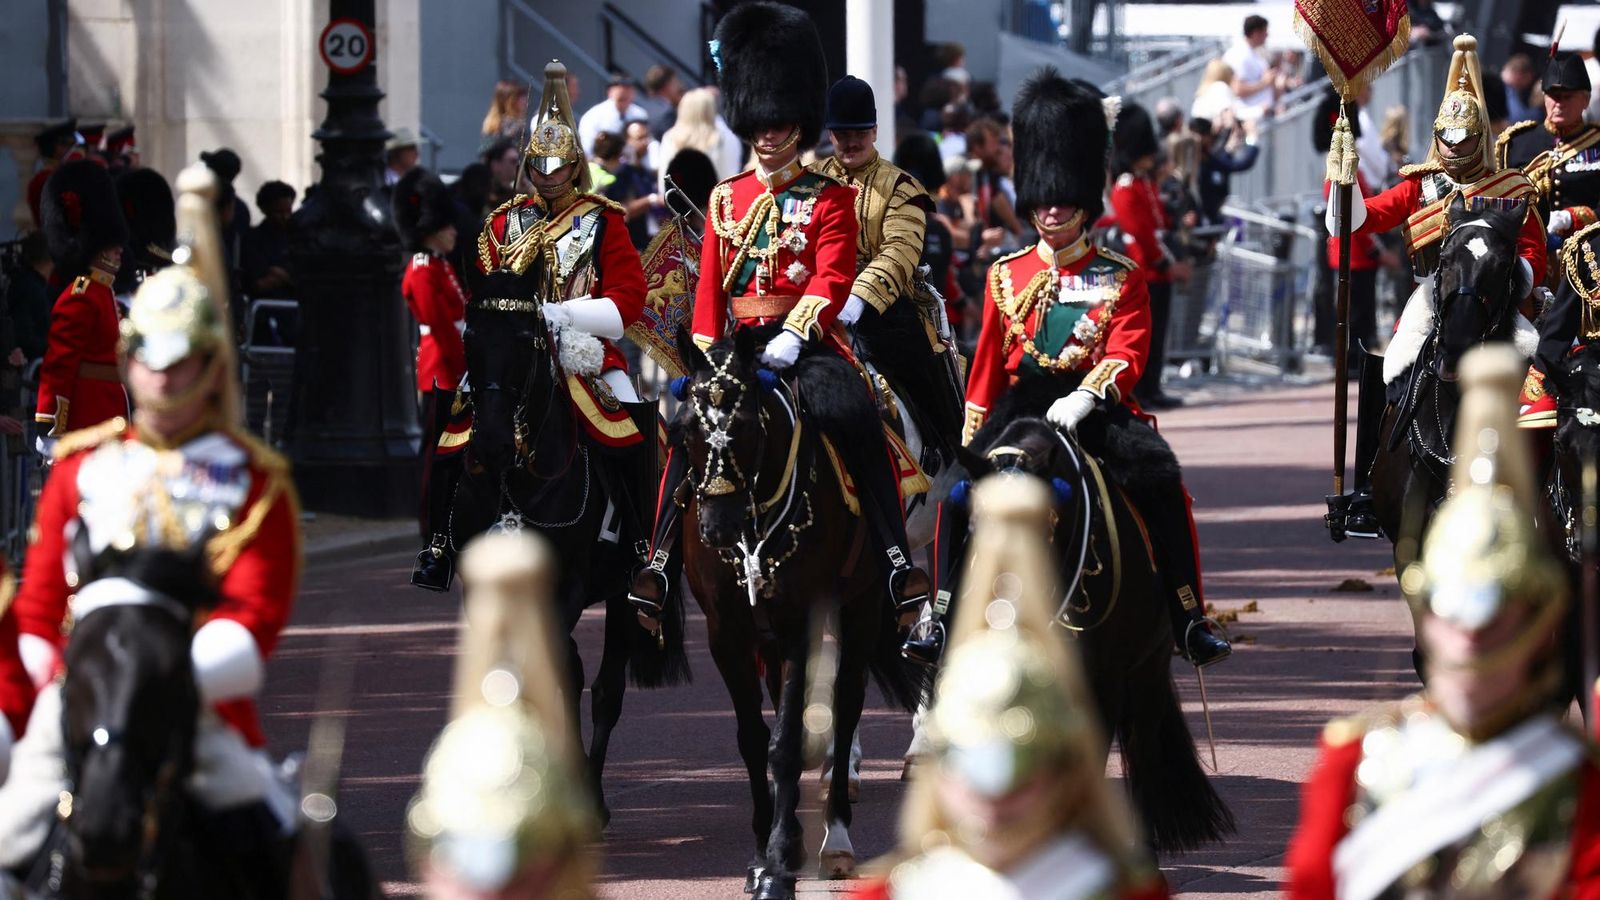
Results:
x,y
869,56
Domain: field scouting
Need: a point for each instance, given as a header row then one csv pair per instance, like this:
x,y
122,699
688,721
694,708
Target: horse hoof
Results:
x,y
853,792
752,874
837,864
774,887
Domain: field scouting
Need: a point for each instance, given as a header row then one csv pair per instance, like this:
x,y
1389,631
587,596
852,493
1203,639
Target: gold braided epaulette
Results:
x,y
1502,144
86,438
607,202
1427,167
1114,256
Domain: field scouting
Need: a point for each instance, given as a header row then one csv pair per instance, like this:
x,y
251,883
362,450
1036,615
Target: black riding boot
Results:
x,y
925,643
879,495
655,581
1171,537
1351,514
435,568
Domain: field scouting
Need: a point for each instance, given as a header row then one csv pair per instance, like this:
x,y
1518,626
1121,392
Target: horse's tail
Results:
x,y
1174,797
658,662
902,683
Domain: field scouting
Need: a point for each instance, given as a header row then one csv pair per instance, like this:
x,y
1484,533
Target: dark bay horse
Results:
x,y
774,550
128,827
529,465
1114,608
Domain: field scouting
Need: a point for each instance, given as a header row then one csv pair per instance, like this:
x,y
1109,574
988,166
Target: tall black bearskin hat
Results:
x,y
422,206
151,213
80,215
1135,138
1061,136
771,70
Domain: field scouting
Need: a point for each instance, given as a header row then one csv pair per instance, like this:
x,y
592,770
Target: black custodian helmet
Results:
x,y
421,206
1061,141
771,70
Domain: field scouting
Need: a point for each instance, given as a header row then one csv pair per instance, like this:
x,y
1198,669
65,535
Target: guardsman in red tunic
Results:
x,y
79,385
565,251
184,470
1142,218
997,811
1066,333
1461,164
425,216
780,250
1475,787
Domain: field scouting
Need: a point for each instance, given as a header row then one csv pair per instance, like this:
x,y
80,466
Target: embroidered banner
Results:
x,y
1355,39
671,272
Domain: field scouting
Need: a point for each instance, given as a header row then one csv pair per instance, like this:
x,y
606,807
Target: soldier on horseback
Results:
x,y
1066,334
1461,163
564,252
780,251
897,320
184,471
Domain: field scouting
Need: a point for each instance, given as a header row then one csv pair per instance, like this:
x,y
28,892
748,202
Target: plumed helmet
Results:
x,y
148,206
553,132
771,70
422,206
1135,138
80,215
1464,113
1061,136
182,310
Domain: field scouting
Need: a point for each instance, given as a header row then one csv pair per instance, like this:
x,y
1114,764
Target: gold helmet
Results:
x,y
182,310
1464,114
1013,701
502,791
553,132
1481,555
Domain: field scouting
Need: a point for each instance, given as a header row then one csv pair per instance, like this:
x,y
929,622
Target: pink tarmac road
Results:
x,y
1257,462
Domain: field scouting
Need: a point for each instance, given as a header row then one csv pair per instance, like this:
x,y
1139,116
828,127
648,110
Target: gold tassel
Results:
x,y
1342,157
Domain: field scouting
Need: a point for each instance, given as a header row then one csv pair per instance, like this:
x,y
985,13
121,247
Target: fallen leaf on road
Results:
x,y
1225,616
1244,639
1385,572
1353,586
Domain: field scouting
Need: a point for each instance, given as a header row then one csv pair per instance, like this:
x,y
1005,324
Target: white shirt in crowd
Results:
x,y
1249,67
1592,114
1212,100
1374,160
727,158
604,116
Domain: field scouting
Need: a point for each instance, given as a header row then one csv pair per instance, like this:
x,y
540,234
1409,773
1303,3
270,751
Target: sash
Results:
x,y
1448,807
1428,224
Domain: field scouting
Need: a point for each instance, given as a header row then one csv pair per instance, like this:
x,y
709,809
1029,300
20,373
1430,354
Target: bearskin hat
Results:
x,y
148,207
80,215
422,206
771,70
1061,140
1135,138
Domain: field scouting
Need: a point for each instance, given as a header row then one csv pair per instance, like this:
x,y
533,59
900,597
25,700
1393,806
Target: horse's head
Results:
x,y
723,432
1478,260
508,361
130,702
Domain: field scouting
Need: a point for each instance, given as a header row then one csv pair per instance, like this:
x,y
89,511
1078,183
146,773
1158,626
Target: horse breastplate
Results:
x,y
135,495
575,248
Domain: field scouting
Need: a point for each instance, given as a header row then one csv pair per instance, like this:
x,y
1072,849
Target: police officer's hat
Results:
x,y
851,106
1566,72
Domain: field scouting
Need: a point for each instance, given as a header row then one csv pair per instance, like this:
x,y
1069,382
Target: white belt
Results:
x,y
426,330
460,326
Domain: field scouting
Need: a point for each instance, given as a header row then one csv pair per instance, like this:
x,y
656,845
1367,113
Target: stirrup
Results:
x,y
1211,649
648,591
435,568
909,586
925,644
1350,516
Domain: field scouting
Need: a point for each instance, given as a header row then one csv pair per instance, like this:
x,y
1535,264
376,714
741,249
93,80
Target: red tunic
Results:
x,y
16,688
1116,353
439,305
1141,215
807,280
79,384
618,273
1331,789
257,558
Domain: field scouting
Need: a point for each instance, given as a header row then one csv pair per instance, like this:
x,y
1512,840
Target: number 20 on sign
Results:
x,y
346,46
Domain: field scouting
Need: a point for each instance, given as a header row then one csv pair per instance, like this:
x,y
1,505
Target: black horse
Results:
x,y
1576,444
127,827
1114,607
529,463
775,550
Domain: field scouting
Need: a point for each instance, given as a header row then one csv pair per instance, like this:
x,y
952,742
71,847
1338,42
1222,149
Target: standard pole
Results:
x,y
1341,339
1589,586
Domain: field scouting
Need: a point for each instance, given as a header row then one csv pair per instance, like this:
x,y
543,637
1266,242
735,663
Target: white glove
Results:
x,y
1521,279
556,316
40,658
781,351
1071,409
1560,222
227,662
594,315
853,308
46,445
1358,210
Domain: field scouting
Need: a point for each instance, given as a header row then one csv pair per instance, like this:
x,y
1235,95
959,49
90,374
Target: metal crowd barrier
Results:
x,y
21,476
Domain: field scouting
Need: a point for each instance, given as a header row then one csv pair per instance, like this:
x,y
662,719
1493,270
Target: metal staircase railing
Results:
x,y
615,22
516,13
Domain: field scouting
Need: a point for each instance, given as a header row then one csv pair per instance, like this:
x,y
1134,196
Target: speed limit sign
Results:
x,y
346,46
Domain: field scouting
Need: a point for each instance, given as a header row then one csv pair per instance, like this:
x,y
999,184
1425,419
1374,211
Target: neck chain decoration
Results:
x,y
715,422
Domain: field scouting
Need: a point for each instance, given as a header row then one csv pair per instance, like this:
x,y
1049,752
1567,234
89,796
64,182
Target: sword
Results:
x,y
319,779
1205,704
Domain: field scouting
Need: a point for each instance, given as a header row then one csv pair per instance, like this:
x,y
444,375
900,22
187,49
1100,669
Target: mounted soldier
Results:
x,y
564,253
183,472
1461,164
425,217
1066,334
79,385
780,254
1561,157
898,322
1474,787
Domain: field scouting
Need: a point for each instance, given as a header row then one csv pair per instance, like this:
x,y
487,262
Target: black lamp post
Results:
x,y
353,433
